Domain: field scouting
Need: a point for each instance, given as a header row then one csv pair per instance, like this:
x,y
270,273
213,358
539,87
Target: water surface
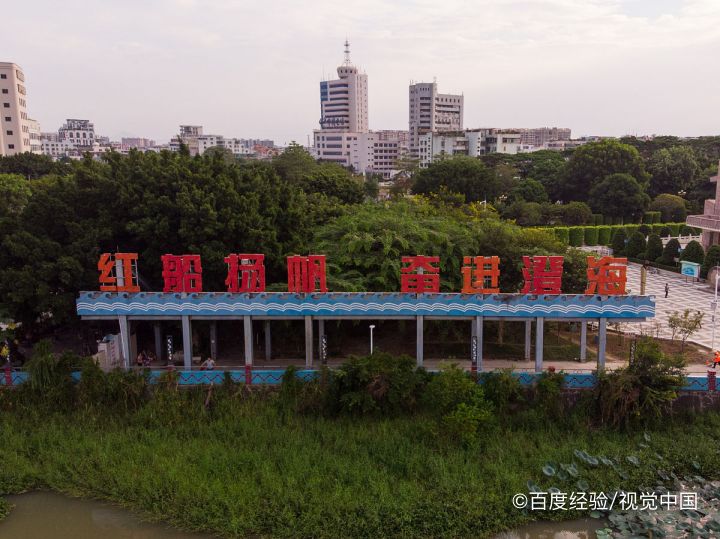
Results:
x,y
48,515
571,529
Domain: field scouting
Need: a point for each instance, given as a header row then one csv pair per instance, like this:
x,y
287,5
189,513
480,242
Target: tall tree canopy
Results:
x,y
673,170
619,195
461,174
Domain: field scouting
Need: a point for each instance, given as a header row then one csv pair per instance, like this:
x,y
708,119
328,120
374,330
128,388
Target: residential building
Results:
x,y
56,148
542,136
35,136
471,142
709,221
137,143
80,133
432,112
14,129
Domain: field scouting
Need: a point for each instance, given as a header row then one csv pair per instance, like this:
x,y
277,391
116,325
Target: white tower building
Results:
x,y
431,112
14,129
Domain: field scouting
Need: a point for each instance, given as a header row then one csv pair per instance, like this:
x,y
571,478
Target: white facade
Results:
x,y
14,129
80,133
431,111
472,142
56,148
35,136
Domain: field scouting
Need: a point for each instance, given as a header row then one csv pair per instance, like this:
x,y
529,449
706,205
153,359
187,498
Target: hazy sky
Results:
x,y
252,68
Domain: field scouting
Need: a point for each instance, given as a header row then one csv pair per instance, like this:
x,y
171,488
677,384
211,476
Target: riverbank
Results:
x,y
244,467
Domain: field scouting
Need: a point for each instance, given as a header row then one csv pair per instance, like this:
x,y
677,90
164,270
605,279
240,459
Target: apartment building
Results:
x,y
14,128
79,133
542,136
432,112
471,142
35,136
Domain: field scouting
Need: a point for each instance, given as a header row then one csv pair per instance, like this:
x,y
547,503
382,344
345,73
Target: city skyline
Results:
x,y
602,67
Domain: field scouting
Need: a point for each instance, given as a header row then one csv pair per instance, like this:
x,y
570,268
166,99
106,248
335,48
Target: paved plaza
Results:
x,y
684,294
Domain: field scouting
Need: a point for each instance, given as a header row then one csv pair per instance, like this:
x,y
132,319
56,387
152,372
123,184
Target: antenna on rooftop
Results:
x,y
347,52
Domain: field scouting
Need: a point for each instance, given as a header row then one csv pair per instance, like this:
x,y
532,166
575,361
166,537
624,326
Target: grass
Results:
x,y
245,468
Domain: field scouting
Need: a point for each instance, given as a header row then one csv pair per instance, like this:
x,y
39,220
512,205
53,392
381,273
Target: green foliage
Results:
x,y
635,245
618,242
654,249
592,163
597,219
576,236
528,190
459,174
604,235
693,252
642,392
119,390
31,166
592,234
685,324
646,230
673,169
619,196
663,231
672,208
712,259
675,229
547,394
562,234
651,217
503,390
670,252
576,213
50,385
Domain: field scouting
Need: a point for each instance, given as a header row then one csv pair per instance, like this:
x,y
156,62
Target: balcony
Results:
x,y
706,222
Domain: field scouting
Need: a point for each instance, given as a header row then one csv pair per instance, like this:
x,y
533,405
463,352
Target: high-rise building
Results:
x,y
14,129
35,136
79,133
542,136
431,112
343,113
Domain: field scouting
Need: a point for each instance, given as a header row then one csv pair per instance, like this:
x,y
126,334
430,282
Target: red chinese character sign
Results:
x,y
481,275
420,274
182,273
542,274
306,274
118,272
246,273
607,276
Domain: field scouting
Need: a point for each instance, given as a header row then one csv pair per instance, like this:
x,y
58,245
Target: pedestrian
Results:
x,y
716,359
667,289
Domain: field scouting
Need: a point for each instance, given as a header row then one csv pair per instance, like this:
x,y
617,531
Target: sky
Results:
x,y
251,69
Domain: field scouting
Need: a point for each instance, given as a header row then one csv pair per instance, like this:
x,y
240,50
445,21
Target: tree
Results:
x,y
712,259
619,195
670,252
294,163
30,165
693,252
654,248
673,170
635,245
618,242
686,324
576,213
591,163
671,207
547,167
528,191
460,174
525,213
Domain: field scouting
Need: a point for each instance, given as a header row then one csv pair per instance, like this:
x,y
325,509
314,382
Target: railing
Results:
x,y
706,222
251,376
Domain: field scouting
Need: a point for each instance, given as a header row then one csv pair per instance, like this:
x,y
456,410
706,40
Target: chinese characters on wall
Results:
x,y
542,275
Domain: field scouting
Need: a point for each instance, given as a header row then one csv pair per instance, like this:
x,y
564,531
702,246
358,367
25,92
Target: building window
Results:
x,y
5,90
3,76
9,132
11,146
6,105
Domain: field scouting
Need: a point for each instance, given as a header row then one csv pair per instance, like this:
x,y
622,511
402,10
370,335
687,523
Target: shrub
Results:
x,y
377,384
591,235
562,234
672,208
635,245
665,231
654,248
502,389
618,242
675,229
597,219
693,252
576,236
641,392
685,230
617,220
646,230
50,381
449,388
547,393
631,229
670,252
118,390
464,422
712,259
303,396
604,235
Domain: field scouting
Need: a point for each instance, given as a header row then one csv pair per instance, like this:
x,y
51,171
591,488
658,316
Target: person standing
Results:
x,y
667,289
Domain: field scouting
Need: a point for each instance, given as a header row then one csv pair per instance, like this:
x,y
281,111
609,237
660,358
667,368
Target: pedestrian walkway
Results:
x,y
684,294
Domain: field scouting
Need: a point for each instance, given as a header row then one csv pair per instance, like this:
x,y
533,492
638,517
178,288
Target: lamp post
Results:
x,y
371,338
713,306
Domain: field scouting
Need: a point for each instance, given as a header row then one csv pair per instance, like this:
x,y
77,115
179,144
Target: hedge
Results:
x,y
631,229
651,217
592,234
576,236
562,234
674,228
604,235
657,228
597,219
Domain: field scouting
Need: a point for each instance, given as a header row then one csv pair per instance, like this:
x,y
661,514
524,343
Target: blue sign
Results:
x,y
690,269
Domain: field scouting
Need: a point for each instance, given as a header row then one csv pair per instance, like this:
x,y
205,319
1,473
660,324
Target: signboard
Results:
x,y
690,269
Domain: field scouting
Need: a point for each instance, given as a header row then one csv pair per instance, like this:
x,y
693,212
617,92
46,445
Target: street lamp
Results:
x,y
371,338
713,305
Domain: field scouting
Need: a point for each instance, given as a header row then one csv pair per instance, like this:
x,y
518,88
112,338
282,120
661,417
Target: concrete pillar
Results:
x,y
539,334
583,341
157,328
321,334
308,341
248,340
602,340
187,343
479,334
213,340
528,339
268,341
125,341
419,344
